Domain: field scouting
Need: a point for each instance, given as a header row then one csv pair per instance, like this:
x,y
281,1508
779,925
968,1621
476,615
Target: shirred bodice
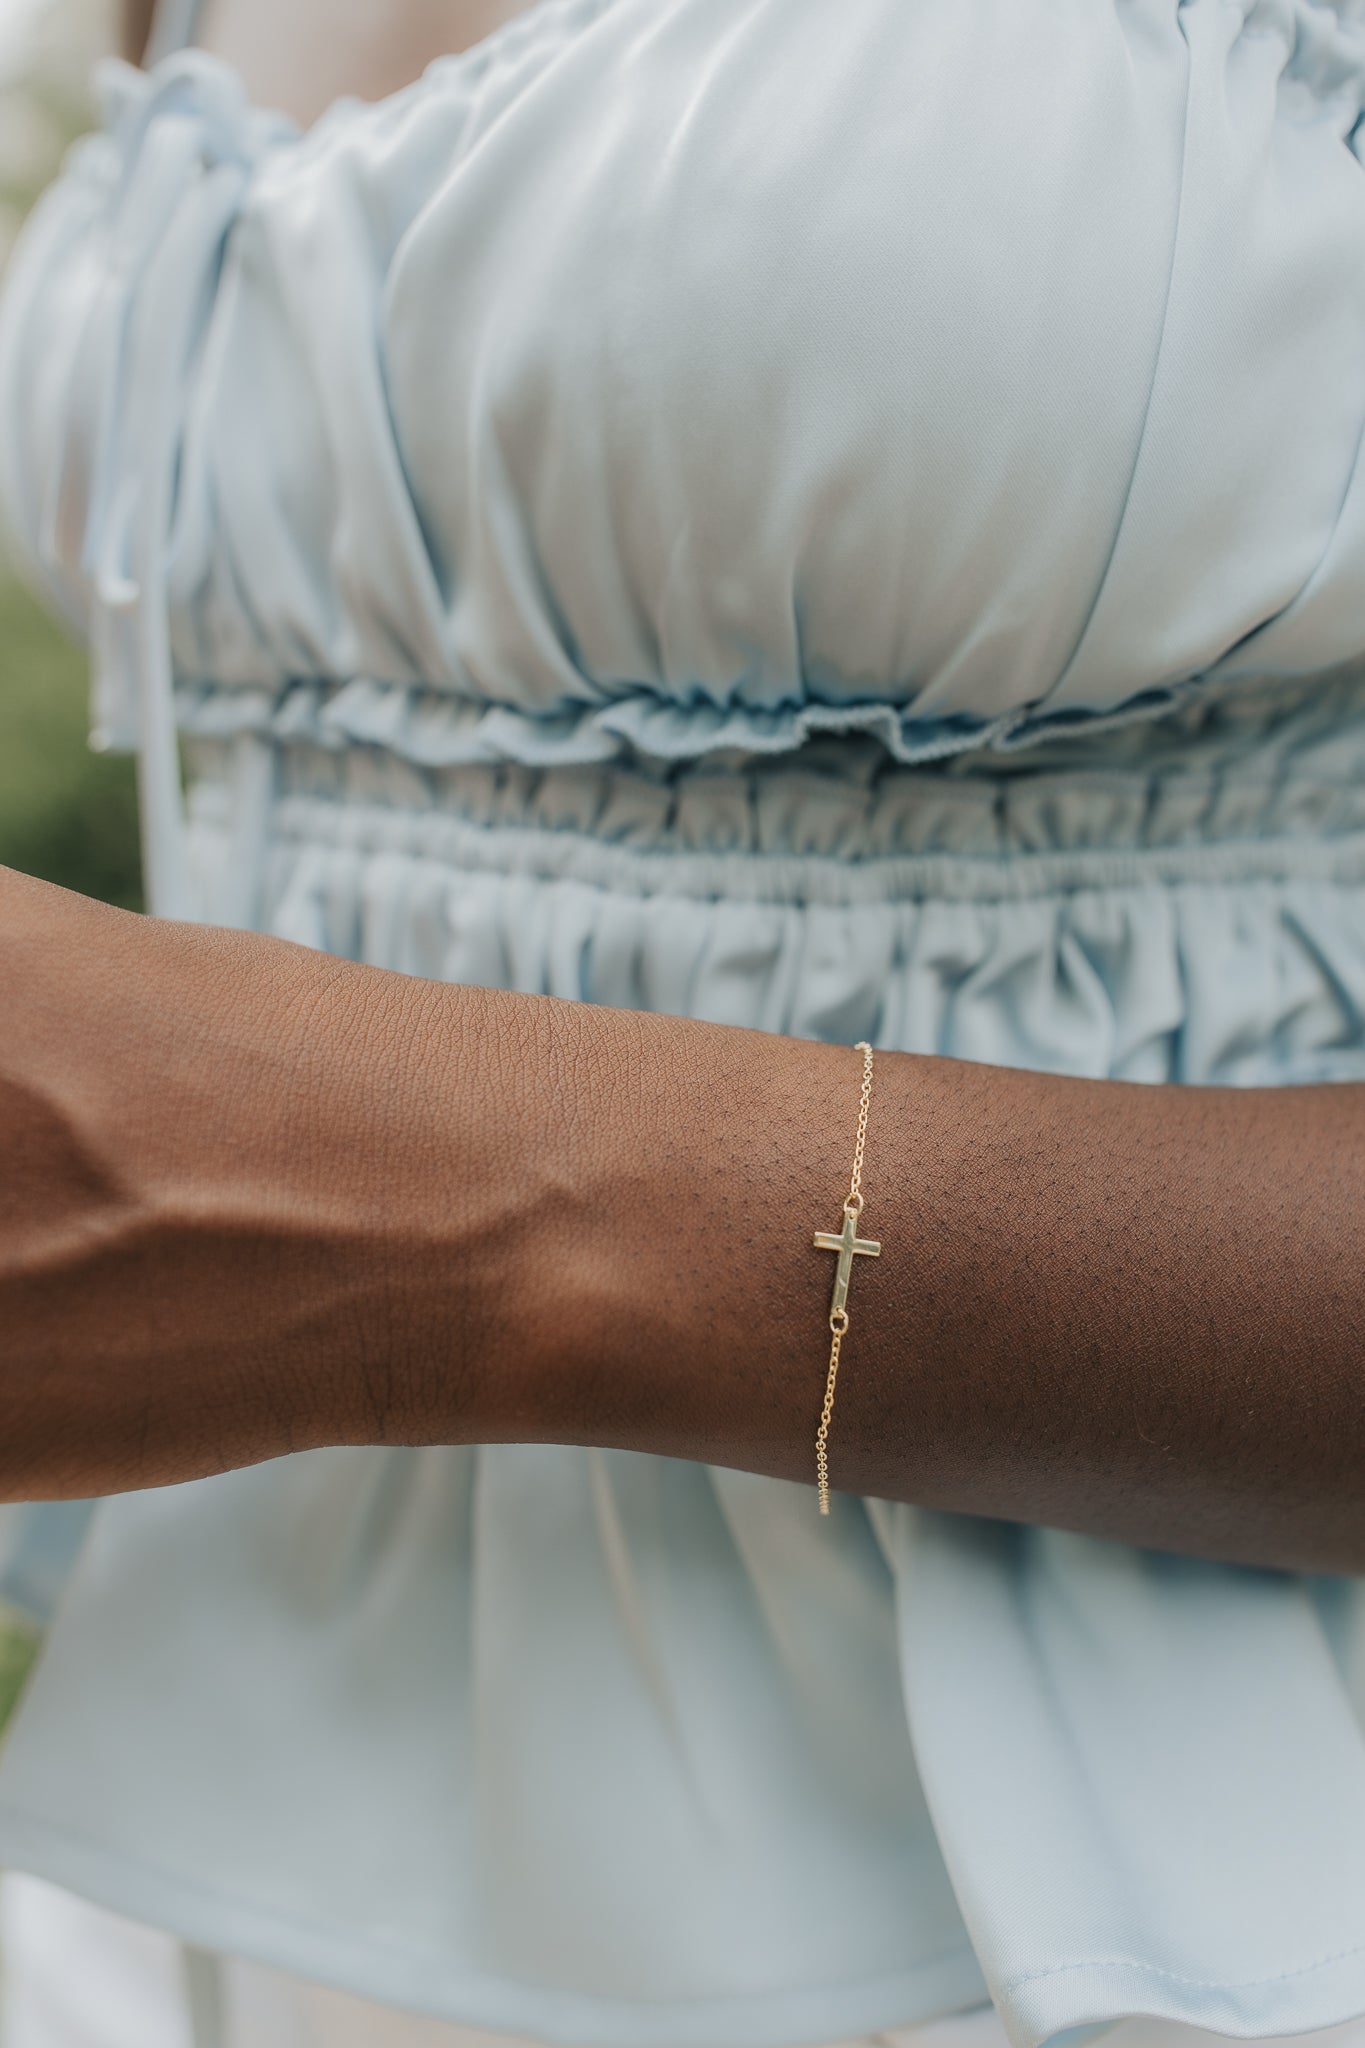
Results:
x,y
771,388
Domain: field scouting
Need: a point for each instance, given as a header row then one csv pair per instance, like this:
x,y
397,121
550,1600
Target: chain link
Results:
x,y
838,1317
855,1187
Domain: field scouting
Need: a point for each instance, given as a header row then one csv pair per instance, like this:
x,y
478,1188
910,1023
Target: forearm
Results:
x,y
1133,1311
259,1200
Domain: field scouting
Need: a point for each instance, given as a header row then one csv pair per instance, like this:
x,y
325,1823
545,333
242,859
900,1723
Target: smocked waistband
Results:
x,y
1267,781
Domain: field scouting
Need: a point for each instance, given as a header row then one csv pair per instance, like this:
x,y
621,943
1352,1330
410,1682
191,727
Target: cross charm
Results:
x,y
846,1244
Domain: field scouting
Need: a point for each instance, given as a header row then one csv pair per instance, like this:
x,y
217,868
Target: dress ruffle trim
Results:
x,y
435,729
432,728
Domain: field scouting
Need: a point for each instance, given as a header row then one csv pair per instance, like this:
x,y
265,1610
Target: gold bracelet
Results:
x,y
847,1243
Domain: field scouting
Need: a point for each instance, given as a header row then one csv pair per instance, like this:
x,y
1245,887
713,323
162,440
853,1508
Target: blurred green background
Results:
x,y
65,814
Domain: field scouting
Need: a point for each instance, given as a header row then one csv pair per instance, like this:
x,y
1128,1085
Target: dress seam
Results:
x,y
1340,1955
739,874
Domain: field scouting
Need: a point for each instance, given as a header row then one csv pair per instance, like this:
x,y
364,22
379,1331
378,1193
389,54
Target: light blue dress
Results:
x,y
844,521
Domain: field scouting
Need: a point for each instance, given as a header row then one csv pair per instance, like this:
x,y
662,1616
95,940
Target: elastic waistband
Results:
x,y
369,832
1268,781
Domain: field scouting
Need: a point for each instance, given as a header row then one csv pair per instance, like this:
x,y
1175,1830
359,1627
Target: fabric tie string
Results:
x,y
111,514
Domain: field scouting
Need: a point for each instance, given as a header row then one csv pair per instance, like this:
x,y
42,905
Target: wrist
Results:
x,y
494,1145
676,1304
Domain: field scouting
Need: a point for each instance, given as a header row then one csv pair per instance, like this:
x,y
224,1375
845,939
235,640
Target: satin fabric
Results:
x,y
77,1976
858,534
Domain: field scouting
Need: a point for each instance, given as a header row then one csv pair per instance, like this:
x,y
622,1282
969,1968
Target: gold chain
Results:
x,y
847,1244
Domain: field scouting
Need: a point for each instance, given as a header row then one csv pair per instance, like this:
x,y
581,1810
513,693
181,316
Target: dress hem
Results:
x,y
443,1990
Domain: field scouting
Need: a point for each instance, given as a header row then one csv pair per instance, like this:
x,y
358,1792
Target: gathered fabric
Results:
x,y
1156,904
855,530
494,389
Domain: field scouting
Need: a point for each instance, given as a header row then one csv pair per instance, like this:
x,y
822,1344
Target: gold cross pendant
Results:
x,y
846,1244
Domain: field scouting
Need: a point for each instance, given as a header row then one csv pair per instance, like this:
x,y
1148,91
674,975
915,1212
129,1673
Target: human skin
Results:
x,y
258,1199
298,56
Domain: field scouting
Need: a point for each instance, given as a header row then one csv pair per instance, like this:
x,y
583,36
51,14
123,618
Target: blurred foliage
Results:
x,y
65,814
45,96
20,1642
